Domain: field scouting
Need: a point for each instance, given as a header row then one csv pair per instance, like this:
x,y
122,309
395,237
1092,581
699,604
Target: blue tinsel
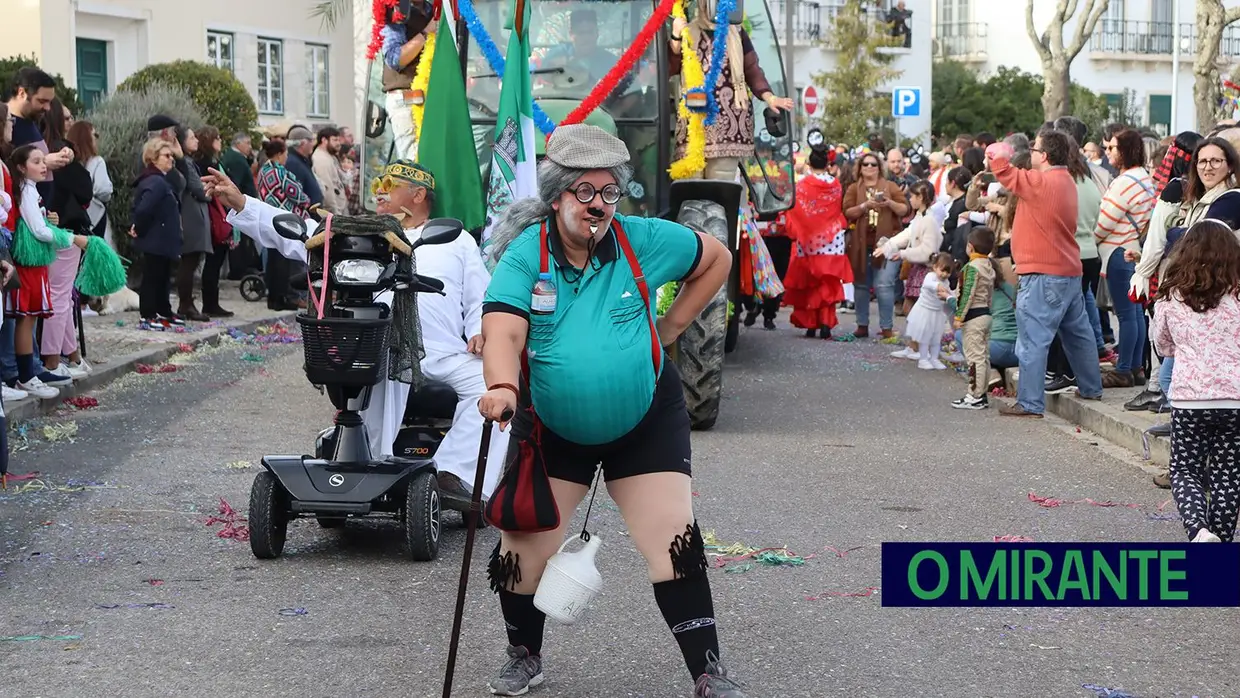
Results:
x,y
495,60
722,10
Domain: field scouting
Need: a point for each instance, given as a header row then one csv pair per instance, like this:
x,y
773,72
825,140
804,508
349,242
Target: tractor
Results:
x,y
642,113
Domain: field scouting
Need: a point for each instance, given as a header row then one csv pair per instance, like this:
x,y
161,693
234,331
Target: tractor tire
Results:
x,y
699,351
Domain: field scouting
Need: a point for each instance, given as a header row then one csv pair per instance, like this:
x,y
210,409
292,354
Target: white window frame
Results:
x,y
231,62
268,94
318,96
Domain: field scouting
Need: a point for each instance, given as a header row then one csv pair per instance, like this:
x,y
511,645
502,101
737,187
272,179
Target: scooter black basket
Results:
x,y
345,351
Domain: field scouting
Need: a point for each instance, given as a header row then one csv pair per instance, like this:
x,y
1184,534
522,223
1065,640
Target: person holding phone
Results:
x,y
875,205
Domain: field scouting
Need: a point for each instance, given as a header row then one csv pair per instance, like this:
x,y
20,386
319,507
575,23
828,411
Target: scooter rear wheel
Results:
x,y
268,517
423,512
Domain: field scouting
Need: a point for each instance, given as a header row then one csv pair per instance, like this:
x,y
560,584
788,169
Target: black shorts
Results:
x,y
658,444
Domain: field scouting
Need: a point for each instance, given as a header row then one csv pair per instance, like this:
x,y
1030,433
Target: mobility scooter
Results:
x,y
347,349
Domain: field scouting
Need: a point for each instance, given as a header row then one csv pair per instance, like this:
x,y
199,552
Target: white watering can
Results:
x,y
570,582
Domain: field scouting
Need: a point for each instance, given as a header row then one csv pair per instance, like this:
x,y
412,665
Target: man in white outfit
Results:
x,y
407,190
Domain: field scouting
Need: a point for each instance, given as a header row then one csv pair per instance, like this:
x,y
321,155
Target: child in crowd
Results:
x,y
928,319
973,315
1197,321
35,242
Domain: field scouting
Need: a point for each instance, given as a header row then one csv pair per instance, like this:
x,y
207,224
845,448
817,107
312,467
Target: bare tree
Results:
x,y
1057,56
1212,18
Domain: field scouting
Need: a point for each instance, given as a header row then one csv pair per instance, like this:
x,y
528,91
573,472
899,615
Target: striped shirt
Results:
x,y
1125,214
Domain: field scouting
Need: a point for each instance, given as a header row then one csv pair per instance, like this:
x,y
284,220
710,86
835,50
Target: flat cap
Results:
x,y
586,147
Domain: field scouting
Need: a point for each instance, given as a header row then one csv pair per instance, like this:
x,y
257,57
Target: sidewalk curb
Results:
x,y
1122,428
32,407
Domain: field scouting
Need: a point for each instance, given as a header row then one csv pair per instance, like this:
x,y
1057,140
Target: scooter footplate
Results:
x,y
326,486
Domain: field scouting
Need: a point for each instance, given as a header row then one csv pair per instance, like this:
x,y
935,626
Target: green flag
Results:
x,y
446,144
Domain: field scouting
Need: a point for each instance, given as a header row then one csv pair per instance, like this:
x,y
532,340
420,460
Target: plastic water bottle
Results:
x,y
543,300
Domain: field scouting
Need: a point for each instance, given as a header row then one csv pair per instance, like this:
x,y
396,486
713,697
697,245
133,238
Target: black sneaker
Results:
x,y
715,682
521,673
1060,385
1143,400
751,317
1160,430
768,324
1160,406
968,402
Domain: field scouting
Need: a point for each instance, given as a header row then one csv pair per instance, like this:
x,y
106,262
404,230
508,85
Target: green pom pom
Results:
x,y
61,239
102,273
29,251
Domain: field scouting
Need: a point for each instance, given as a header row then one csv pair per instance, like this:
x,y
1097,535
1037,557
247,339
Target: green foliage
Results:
x,y
222,99
851,104
1007,102
8,71
120,119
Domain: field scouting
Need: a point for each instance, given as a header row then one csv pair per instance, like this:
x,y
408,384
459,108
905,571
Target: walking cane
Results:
x,y
475,511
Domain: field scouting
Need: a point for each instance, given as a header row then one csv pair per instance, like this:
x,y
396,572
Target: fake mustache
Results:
x,y
596,212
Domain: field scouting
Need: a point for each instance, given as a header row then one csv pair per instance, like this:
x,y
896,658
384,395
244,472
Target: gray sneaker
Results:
x,y
715,682
520,674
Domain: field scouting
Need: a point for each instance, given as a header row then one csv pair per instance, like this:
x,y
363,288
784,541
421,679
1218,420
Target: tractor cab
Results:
x,y
573,45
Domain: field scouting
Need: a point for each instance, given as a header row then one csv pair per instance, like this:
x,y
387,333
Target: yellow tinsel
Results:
x,y
420,81
694,161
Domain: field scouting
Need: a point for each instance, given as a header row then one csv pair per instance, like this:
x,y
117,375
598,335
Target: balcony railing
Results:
x,y
1155,38
811,21
961,40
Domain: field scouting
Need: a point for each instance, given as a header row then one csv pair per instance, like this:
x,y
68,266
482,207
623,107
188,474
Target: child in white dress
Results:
x,y
928,319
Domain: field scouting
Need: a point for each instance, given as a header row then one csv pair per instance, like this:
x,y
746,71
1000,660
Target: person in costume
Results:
x,y
405,34
819,268
730,138
600,388
407,191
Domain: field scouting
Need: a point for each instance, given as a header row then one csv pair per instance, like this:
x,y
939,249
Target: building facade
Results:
x,y
295,70
812,24
1128,58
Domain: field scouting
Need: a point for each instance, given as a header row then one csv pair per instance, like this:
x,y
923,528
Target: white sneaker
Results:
x,y
80,369
904,353
1204,536
925,365
38,388
12,394
954,357
938,365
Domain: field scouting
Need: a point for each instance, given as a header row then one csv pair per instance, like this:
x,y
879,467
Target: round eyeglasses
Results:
x,y
585,193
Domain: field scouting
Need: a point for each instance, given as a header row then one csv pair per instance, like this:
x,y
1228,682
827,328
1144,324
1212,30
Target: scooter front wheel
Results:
x,y
423,523
268,517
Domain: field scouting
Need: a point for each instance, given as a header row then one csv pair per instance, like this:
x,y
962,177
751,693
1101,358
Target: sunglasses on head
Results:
x,y
585,193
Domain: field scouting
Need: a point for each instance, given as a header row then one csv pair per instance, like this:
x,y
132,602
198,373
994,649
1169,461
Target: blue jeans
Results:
x,y
8,358
1003,354
1164,375
1131,315
1095,317
1046,305
884,281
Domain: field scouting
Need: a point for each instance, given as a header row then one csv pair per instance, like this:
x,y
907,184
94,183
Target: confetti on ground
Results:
x,y
1013,539
82,402
891,340
1105,692
739,552
869,591
842,553
998,391
64,431
235,526
1163,516
239,465
185,348
294,612
1043,647
46,485
162,368
132,605
1051,502
867,366
34,638
257,358
849,337
155,582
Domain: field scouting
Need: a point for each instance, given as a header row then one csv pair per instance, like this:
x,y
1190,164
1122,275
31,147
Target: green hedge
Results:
x,y
221,98
8,72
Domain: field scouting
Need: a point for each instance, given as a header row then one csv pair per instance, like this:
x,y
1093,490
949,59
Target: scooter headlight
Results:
x,y
357,271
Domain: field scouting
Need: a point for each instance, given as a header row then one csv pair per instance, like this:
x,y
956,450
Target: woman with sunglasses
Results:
x,y
569,316
876,205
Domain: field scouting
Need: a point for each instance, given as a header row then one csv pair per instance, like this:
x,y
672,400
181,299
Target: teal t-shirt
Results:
x,y
591,371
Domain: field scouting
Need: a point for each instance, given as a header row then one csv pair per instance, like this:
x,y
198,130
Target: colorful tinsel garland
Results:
x,y
420,81
378,10
496,60
694,160
717,57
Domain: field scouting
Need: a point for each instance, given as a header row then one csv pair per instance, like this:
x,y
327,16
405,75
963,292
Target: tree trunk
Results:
x,y
1056,92
1211,18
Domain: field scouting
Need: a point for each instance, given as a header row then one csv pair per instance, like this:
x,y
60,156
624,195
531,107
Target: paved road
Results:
x,y
820,444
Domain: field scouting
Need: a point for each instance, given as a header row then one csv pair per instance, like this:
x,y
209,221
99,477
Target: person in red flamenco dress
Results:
x,y
819,267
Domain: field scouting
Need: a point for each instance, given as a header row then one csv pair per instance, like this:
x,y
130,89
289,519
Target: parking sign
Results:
x,y
906,102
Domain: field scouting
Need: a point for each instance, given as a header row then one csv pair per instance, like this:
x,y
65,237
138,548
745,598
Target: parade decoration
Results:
x,y
420,81
102,273
1231,101
694,160
718,46
496,62
514,173
378,11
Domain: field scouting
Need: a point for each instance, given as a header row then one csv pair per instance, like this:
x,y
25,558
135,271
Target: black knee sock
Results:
x,y
690,613
524,622
25,367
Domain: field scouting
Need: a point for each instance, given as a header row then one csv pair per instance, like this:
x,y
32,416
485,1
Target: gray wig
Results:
x,y
553,179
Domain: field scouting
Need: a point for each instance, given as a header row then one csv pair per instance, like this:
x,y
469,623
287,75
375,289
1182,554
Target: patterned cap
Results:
x,y
586,147
411,172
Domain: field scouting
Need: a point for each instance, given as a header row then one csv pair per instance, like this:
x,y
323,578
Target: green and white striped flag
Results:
x,y
514,173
